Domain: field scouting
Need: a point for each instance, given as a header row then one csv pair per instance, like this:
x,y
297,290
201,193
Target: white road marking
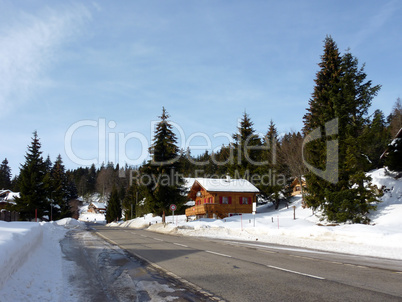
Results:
x,y
180,244
219,254
278,247
157,239
294,272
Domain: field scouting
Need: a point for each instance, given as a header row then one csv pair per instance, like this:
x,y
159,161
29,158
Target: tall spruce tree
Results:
x,y
59,190
376,137
113,211
247,149
341,98
5,175
33,183
165,185
271,171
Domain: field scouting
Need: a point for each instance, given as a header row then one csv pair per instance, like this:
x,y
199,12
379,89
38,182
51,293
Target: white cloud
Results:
x,y
376,23
28,48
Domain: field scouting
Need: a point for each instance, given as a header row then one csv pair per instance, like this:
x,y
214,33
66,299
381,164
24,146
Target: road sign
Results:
x,y
173,207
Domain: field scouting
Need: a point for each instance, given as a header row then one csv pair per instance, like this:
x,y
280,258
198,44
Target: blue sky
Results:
x,y
92,77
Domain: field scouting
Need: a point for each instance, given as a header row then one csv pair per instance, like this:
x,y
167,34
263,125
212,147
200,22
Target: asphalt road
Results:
x,y
253,271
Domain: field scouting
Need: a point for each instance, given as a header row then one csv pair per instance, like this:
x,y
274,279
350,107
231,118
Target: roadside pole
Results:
x,y
254,210
173,208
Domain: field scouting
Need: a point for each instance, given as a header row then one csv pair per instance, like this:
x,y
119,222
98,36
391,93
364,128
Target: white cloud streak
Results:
x,y
29,47
376,23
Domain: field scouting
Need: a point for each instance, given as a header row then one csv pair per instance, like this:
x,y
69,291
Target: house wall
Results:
x,y
212,204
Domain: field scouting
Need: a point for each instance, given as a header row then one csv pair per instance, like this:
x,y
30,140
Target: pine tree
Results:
x,y
113,211
5,175
247,149
341,97
376,137
395,118
272,170
33,183
165,184
59,190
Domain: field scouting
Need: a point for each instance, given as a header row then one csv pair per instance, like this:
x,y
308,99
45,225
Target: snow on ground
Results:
x,y
31,260
91,217
382,238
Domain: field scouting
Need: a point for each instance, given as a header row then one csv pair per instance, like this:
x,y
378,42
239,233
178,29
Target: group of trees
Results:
x,y
45,187
339,143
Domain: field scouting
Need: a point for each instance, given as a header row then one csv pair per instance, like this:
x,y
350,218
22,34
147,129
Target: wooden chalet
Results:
x,y
296,186
219,198
7,198
97,207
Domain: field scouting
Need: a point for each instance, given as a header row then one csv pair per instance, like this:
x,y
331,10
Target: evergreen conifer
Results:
x,y
113,211
33,184
5,175
165,185
341,97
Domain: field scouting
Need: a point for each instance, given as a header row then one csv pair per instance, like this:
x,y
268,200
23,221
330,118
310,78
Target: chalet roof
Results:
x,y
99,205
4,192
188,183
12,195
226,185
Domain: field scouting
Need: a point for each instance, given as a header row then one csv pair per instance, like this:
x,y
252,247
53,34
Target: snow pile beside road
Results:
x,y
31,262
17,241
70,223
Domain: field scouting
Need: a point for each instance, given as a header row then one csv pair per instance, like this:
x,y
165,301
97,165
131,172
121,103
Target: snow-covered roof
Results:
x,y
99,205
190,203
12,195
227,185
188,183
4,192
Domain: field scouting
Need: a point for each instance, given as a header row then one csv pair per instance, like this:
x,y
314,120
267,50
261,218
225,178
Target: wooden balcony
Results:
x,y
220,210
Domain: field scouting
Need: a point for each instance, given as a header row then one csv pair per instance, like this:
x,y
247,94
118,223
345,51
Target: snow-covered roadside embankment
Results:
x,y
31,260
17,241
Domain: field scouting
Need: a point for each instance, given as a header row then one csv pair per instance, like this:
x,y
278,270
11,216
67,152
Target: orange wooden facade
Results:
x,y
209,204
296,187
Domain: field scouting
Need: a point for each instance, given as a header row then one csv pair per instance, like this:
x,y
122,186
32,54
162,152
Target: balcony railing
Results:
x,y
221,210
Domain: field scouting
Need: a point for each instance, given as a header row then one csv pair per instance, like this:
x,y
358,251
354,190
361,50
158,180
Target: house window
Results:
x,y
243,200
225,199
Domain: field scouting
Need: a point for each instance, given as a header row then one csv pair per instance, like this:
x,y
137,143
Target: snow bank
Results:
x,y
39,276
17,241
70,223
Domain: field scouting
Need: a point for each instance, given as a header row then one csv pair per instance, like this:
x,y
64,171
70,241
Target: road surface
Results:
x,y
251,271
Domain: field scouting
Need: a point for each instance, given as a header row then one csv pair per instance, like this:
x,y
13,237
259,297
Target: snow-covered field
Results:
x,y
31,258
